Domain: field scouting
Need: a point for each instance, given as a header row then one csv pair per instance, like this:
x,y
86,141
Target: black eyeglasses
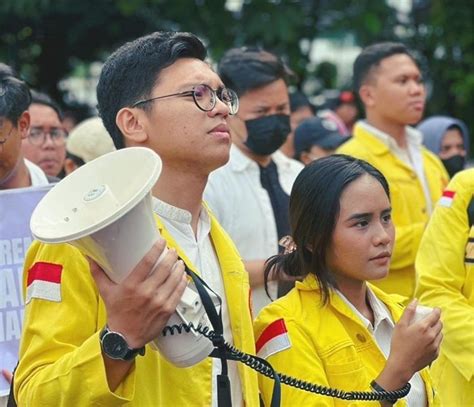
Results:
x,y
205,98
37,136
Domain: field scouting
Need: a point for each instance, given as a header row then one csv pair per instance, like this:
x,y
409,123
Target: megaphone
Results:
x,y
105,209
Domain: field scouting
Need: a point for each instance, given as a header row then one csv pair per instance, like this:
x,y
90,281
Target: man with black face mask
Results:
x,y
250,195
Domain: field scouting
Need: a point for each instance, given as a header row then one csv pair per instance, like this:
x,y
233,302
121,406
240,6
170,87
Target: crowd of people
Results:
x,y
323,233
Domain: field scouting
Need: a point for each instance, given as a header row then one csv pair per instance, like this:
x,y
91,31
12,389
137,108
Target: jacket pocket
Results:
x,y
344,368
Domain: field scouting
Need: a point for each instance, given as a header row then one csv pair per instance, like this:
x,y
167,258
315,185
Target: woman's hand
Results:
x,y
414,346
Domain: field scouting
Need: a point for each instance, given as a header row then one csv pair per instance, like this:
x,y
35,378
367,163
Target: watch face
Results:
x,y
114,345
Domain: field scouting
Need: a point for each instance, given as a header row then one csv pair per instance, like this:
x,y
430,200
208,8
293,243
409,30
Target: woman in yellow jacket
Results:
x,y
334,328
445,271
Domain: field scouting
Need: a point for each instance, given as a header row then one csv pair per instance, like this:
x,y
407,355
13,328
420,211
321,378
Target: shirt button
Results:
x,y
361,338
413,175
423,210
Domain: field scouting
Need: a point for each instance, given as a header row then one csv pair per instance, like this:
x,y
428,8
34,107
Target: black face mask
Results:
x,y
454,164
267,134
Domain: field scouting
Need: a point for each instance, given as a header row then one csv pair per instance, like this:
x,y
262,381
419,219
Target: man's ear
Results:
x,y
130,122
366,94
69,166
23,124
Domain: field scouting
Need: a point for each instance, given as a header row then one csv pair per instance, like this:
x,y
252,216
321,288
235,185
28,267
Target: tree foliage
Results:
x,y
43,39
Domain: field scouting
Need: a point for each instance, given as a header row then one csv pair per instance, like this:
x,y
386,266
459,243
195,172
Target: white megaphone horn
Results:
x,y
105,209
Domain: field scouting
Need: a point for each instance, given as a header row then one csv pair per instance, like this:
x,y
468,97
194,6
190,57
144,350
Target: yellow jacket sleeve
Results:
x,y
300,361
443,278
60,355
407,241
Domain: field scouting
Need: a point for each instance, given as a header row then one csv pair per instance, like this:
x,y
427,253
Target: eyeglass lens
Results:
x,y
205,98
38,135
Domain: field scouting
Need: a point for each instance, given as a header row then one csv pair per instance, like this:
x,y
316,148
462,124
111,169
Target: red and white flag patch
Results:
x,y
44,282
273,339
447,198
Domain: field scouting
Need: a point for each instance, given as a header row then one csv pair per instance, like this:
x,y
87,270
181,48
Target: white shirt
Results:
x,y
200,252
243,207
411,156
37,175
382,331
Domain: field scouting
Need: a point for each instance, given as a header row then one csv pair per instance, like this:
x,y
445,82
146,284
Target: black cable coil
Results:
x,y
263,367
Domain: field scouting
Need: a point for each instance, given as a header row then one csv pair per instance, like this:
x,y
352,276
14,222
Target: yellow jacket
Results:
x,y
445,271
409,211
329,346
60,354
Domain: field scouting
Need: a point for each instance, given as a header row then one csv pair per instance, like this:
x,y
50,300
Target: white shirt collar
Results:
x,y
414,137
381,312
240,162
37,175
181,216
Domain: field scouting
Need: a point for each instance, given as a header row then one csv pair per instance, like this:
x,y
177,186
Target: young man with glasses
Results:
x,y
46,141
155,92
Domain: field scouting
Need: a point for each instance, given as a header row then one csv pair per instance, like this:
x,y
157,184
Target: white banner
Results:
x,y
16,207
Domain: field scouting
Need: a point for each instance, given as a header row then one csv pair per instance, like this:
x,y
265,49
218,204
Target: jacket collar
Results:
x,y
378,141
394,302
239,162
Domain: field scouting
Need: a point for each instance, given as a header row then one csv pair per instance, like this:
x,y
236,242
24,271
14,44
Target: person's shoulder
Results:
x,y
61,254
355,147
464,180
287,307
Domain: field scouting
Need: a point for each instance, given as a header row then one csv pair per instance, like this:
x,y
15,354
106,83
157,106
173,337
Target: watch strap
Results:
x,y
131,352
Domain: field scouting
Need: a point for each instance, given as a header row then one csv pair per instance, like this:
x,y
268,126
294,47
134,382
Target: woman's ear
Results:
x,y
130,122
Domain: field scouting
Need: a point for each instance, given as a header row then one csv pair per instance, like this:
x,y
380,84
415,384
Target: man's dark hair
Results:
x,y
314,210
44,99
370,58
15,96
246,68
132,71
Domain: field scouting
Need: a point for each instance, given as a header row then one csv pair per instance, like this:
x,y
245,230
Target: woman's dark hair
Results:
x,y
314,210
132,71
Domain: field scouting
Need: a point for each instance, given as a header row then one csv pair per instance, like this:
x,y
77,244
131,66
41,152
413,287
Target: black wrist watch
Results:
x,y
116,347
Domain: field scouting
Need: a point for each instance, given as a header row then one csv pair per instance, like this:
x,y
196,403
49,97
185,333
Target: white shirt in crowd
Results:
x,y
200,252
411,156
37,175
382,331
236,196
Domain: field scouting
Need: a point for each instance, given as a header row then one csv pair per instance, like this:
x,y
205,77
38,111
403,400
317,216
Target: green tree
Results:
x,y
44,39
443,34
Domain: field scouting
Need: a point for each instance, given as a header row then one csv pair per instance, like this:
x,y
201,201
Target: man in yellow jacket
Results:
x,y
445,279
390,86
155,92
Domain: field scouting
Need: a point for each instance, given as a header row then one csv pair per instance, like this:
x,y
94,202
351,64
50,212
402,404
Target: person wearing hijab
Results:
x,y
448,138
